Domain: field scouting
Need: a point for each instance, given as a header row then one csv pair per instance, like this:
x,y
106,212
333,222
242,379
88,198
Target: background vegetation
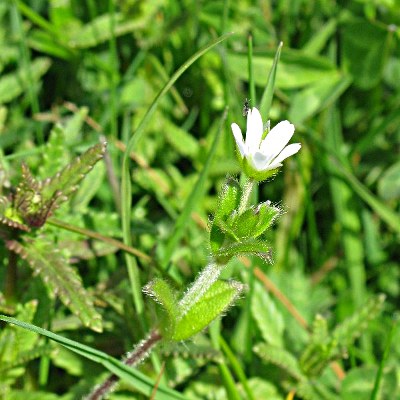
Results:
x,y
75,73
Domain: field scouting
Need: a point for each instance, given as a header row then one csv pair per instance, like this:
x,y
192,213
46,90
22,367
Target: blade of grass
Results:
x,y
140,381
193,199
227,378
389,216
114,75
126,189
252,87
26,65
266,99
236,367
379,374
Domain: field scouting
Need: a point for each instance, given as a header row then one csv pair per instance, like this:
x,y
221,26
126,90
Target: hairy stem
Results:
x,y
248,188
141,351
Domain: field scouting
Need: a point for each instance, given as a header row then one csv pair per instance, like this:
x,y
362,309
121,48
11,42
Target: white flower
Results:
x,y
264,154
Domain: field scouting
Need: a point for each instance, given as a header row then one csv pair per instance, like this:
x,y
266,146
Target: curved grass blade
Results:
x,y
140,381
126,189
193,199
266,99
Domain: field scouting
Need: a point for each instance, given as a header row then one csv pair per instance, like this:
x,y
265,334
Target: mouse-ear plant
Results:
x,y
23,214
237,228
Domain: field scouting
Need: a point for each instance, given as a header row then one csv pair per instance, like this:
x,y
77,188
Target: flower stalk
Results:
x,y
141,352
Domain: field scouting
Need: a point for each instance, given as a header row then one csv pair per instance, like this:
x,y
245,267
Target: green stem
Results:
x,y
141,351
247,189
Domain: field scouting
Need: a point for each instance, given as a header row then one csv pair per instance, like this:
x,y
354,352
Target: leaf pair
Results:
x,y
234,232
182,319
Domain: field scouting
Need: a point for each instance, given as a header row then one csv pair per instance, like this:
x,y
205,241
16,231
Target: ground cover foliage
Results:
x,y
112,156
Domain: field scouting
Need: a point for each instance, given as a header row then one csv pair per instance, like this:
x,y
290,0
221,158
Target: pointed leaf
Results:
x,y
212,304
268,317
163,294
62,280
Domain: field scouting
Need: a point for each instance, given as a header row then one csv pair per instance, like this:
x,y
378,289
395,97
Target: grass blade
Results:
x,y
193,198
126,189
266,99
140,381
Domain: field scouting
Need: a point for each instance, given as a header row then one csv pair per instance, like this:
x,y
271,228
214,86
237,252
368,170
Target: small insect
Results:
x,y
246,107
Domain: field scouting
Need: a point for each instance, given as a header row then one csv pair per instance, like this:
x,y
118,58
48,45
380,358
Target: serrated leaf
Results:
x,y
346,332
280,357
268,317
213,303
62,280
60,186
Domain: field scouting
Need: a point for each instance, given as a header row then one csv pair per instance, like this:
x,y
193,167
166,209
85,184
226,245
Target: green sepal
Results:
x,y
213,303
252,173
163,294
250,246
255,221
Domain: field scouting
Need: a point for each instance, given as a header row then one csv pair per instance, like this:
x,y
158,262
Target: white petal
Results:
x,y
259,161
277,139
254,130
287,152
273,166
237,134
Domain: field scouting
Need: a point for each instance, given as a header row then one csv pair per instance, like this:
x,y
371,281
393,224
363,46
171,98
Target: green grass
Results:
x,y
161,82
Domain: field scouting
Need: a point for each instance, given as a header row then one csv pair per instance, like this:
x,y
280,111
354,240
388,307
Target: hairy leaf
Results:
x,y
214,302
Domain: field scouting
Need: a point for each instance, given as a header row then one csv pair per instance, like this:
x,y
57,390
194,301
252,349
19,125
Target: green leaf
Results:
x,y
364,50
229,199
16,83
131,375
268,317
250,246
163,294
46,260
63,184
280,357
389,183
212,304
296,69
98,30
255,221
354,326
311,100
